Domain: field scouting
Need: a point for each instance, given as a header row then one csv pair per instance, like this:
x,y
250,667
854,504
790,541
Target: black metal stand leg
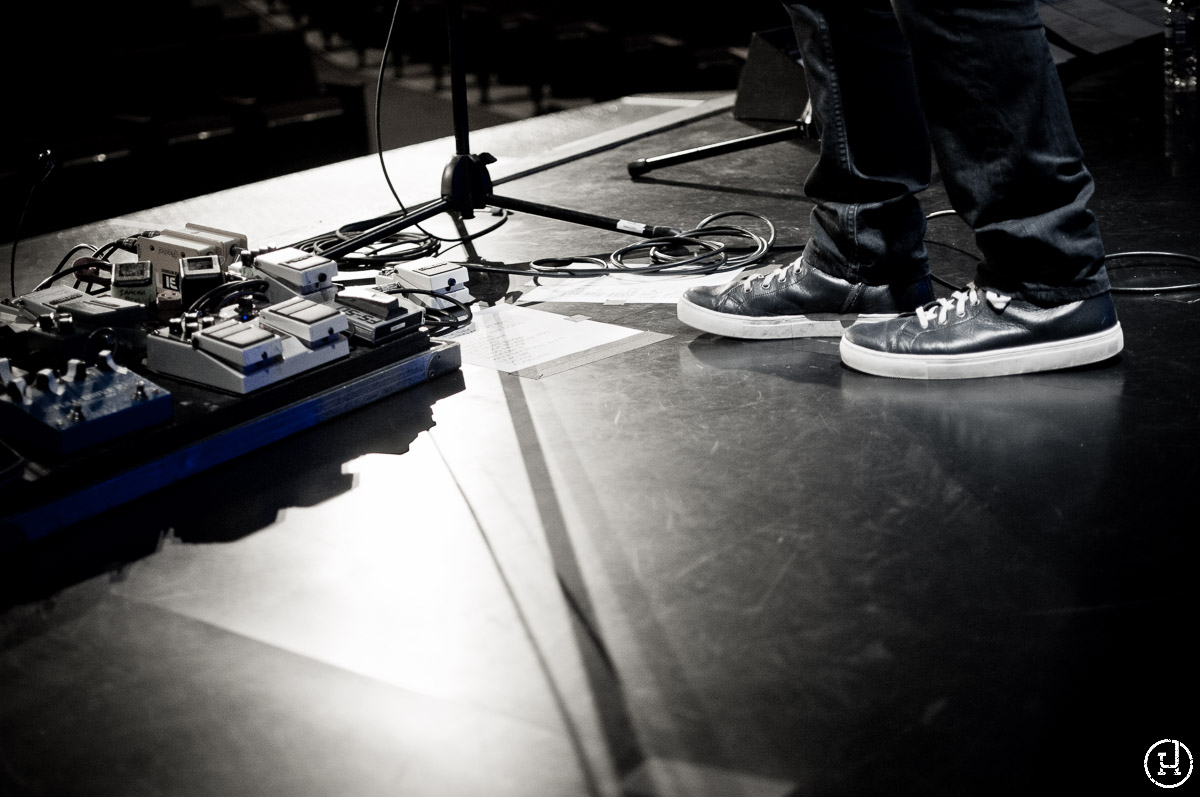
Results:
x,y
579,217
643,165
382,231
466,184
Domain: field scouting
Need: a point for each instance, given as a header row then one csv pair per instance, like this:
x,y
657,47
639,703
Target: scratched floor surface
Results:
x,y
700,567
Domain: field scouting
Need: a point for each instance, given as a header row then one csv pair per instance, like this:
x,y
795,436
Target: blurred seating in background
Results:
x,y
143,102
555,50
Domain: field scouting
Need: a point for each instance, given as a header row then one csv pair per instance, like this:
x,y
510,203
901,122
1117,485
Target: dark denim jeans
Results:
x,y
975,80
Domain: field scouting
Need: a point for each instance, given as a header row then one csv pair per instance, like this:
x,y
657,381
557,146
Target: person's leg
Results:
x,y
1014,171
866,254
866,224
1000,127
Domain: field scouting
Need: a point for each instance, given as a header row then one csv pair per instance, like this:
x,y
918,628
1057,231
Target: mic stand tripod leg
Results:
x,y
643,165
579,217
466,184
378,233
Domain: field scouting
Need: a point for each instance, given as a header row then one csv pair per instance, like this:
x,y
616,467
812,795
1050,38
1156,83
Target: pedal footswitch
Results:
x,y
242,344
298,271
308,321
241,356
377,317
87,311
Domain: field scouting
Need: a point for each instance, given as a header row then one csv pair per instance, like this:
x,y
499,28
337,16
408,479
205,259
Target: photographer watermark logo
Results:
x,y
1168,763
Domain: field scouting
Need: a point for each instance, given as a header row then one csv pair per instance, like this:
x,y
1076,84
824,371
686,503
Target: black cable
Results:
x,y
403,245
108,340
945,283
1174,255
12,261
352,230
504,214
1187,286
387,45
712,258
557,267
82,264
561,262
257,296
387,48
715,255
93,287
766,243
704,229
233,287
76,248
937,214
110,248
46,163
98,257
391,251
728,263
438,321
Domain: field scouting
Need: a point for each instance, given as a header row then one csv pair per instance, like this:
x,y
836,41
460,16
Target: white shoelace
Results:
x,y
958,300
782,273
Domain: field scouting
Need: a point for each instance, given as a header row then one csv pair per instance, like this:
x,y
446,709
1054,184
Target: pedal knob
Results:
x,y
76,370
64,322
15,388
106,363
46,381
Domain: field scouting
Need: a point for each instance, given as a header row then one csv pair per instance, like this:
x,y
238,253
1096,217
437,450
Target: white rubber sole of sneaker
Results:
x,y
822,325
1001,362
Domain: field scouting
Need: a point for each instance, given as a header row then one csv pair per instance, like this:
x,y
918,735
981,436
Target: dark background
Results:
x,y
142,103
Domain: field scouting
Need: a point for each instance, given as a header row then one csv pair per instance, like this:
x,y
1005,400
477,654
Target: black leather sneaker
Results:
x,y
795,301
983,333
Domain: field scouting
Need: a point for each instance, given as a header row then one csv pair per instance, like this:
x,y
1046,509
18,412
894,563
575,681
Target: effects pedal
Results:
x,y
241,356
376,317
85,310
228,245
312,323
436,277
61,412
294,272
134,282
165,251
197,276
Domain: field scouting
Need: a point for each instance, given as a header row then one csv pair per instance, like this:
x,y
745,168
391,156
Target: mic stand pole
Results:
x,y
466,184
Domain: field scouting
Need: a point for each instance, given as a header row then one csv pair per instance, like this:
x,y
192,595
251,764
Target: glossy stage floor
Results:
x,y
699,567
